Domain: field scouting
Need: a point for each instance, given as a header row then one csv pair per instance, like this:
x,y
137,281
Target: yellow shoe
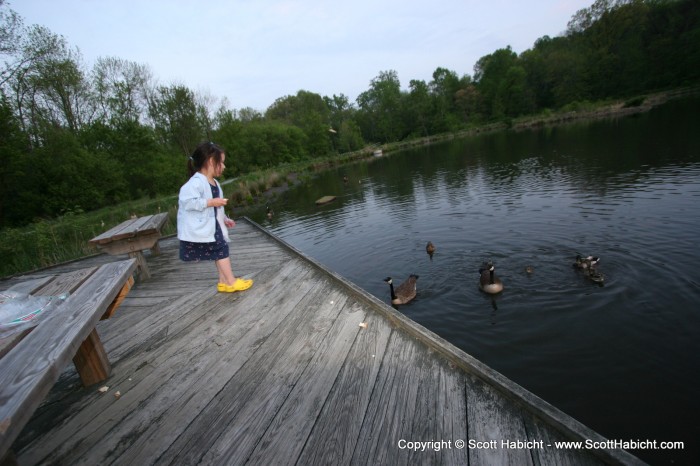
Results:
x,y
221,287
239,285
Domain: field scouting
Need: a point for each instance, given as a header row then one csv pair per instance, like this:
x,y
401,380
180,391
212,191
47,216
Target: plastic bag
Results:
x,y
19,311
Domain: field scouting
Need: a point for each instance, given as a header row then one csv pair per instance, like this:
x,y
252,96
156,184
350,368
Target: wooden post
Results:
x,y
91,360
144,273
118,300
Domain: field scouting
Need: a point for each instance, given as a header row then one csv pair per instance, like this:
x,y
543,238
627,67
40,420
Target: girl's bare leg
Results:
x,y
225,273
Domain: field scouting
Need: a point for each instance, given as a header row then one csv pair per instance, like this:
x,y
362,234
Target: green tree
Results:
x,y
10,36
307,111
673,38
342,113
379,107
444,87
12,168
493,82
556,71
349,137
45,84
121,88
419,113
176,117
60,87
615,60
468,104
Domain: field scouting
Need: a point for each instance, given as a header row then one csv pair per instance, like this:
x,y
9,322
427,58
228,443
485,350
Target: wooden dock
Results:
x,y
284,374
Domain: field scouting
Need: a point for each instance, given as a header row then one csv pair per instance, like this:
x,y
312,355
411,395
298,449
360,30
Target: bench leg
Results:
x,y
91,360
118,300
144,273
155,250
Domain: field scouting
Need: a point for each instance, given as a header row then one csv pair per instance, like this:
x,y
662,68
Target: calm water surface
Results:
x,y
623,358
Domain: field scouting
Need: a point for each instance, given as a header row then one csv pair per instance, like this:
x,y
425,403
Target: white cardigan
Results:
x,y
195,221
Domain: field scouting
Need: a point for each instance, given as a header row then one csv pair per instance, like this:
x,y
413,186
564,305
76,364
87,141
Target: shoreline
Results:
x,y
614,109
252,192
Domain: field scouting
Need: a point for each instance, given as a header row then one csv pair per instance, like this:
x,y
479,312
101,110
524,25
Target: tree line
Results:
x,y
75,138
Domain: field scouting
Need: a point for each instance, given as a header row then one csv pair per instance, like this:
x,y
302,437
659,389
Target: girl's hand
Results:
x,y
217,202
229,223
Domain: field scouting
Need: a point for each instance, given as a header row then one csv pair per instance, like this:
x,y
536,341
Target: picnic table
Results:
x,y
133,236
32,360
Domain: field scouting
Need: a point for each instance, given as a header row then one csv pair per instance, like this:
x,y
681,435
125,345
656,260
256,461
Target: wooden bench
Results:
x,y
33,361
132,237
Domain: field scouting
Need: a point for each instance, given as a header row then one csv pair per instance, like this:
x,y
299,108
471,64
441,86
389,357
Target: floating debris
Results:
x,y
325,200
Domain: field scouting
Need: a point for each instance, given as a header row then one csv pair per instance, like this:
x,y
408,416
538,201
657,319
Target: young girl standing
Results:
x,y
202,225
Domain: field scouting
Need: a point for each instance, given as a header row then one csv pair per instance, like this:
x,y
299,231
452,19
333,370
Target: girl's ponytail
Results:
x,y
201,155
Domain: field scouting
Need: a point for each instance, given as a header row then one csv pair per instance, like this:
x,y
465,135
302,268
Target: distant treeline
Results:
x,y
74,138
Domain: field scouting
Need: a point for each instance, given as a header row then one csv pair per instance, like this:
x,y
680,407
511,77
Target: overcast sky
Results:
x,y
255,51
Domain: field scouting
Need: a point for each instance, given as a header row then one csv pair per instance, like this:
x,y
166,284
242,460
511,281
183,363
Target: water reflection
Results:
x,y
626,190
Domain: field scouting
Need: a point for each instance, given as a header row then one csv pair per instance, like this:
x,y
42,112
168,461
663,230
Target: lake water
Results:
x,y
623,358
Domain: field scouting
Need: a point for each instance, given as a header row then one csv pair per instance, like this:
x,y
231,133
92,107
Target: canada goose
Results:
x,y
595,276
488,282
529,270
430,248
403,293
586,262
270,212
588,265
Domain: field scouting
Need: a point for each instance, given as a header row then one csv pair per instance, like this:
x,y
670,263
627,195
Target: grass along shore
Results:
x,y
49,242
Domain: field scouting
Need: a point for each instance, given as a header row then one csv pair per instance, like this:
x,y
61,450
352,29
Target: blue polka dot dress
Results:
x,y
215,251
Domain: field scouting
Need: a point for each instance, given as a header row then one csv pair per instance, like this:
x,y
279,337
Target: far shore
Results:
x,y
614,109
50,242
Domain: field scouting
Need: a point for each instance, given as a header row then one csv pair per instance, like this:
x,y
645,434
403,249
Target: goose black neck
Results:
x,y
391,287
491,281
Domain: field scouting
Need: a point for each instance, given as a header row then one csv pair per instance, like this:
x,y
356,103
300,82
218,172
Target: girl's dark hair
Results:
x,y
201,155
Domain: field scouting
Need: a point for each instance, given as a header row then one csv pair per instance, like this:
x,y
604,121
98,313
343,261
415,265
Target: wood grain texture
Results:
x,y
149,225
282,374
91,360
29,370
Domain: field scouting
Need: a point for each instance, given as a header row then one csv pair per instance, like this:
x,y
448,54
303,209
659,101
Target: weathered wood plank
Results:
x,y
114,305
131,229
142,226
279,375
228,351
91,360
491,420
130,244
391,411
51,285
106,237
549,454
230,427
154,223
66,282
31,286
440,414
30,369
334,437
451,413
178,378
287,433
10,341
